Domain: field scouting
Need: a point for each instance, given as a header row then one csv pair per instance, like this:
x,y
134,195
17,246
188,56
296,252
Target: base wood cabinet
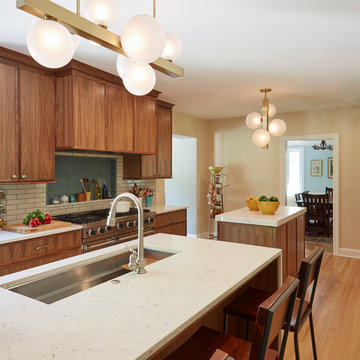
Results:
x,y
24,254
27,130
159,165
288,236
173,222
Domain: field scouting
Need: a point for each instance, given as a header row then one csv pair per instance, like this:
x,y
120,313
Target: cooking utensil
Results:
x,y
87,185
82,183
92,183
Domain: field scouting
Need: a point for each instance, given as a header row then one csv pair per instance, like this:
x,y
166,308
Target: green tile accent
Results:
x,y
69,170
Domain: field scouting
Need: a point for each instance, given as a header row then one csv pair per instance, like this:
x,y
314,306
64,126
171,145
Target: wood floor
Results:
x,y
336,313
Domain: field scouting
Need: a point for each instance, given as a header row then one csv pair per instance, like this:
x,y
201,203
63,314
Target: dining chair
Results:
x,y
330,192
298,199
273,314
243,307
318,214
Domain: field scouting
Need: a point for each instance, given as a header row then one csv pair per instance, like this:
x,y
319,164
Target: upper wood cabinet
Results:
x,y
160,164
145,126
95,112
120,110
27,133
80,112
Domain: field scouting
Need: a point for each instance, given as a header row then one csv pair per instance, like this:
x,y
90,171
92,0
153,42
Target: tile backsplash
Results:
x,y
24,198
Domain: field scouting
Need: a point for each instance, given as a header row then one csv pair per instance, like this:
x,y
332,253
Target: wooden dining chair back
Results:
x,y
317,213
308,275
330,192
274,314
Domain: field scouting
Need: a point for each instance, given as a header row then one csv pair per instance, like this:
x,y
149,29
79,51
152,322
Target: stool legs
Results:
x,y
312,335
296,345
225,324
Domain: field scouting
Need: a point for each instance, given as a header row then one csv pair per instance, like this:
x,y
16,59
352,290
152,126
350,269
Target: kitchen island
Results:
x,y
141,317
284,230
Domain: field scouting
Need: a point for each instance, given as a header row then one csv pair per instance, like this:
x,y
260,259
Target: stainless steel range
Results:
x,y
95,233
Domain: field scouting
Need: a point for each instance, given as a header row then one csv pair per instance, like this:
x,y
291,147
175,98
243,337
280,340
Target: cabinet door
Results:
x,y
164,150
8,148
120,112
89,113
37,125
145,130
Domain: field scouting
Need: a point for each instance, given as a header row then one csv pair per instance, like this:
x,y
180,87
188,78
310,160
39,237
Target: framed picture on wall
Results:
x,y
316,168
330,168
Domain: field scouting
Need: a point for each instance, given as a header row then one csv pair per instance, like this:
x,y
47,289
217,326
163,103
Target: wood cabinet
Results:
x,y
173,222
120,126
290,237
80,112
160,164
27,132
24,254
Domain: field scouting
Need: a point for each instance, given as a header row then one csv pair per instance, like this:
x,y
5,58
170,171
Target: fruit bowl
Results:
x,y
252,204
268,207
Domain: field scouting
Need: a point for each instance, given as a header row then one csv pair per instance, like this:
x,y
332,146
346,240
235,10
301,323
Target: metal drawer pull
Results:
x,y
41,247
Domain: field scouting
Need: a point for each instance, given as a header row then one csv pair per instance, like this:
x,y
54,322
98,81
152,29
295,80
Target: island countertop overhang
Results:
x,y
245,216
135,318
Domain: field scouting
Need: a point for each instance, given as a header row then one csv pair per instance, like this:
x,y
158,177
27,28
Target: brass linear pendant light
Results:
x,y
254,120
52,41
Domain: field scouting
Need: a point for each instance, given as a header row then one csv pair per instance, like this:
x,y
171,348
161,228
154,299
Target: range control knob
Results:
x,y
151,219
101,230
108,228
129,224
135,223
92,232
146,220
119,225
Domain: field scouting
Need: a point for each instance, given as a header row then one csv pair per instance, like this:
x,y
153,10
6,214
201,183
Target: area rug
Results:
x,y
319,239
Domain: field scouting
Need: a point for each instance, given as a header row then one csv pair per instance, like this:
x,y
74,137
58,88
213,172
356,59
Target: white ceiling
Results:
x,y
307,51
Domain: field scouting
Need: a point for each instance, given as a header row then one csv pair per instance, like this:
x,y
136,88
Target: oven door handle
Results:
x,y
112,240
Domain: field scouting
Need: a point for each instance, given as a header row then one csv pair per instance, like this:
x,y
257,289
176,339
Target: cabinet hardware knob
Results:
x,y
14,177
23,176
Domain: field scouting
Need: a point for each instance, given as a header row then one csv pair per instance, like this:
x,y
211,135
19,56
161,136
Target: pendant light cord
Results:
x,y
154,8
77,7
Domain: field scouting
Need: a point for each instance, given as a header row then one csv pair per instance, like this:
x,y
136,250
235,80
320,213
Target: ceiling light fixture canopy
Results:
x,y
255,120
53,40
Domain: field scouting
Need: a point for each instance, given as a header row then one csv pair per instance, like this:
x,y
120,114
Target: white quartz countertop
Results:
x,y
245,216
9,236
161,209
132,319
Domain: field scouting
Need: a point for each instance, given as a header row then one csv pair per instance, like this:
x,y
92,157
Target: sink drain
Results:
x,y
115,281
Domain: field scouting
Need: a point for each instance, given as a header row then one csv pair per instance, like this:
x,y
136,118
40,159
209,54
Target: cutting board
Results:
x,y
25,229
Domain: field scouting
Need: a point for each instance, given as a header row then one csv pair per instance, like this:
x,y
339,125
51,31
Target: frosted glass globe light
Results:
x,y
277,127
253,120
50,43
102,12
139,79
272,110
121,63
173,46
143,39
261,137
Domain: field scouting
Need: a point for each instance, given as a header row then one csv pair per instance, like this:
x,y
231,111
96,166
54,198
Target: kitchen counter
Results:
x,y
284,230
9,236
162,209
137,317
245,216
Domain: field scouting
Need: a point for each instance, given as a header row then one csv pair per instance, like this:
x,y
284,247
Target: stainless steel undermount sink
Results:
x,y
69,282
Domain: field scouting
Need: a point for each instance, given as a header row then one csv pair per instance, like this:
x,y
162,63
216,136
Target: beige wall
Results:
x,y
253,171
189,126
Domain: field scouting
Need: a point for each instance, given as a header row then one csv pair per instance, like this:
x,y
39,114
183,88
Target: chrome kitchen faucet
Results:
x,y
140,261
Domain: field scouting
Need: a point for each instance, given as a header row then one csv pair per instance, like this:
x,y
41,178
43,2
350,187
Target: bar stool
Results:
x,y
244,306
273,315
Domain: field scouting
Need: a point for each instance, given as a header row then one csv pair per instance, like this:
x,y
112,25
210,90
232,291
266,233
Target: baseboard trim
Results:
x,y
349,253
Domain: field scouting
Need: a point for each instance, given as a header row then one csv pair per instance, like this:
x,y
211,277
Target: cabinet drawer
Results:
x,y
32,248
170,218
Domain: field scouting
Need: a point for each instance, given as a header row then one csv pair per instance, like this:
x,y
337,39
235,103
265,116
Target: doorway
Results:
x,y
303,169
181,189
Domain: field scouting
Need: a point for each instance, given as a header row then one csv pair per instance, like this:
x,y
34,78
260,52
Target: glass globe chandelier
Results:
x,y
143,45
275,127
